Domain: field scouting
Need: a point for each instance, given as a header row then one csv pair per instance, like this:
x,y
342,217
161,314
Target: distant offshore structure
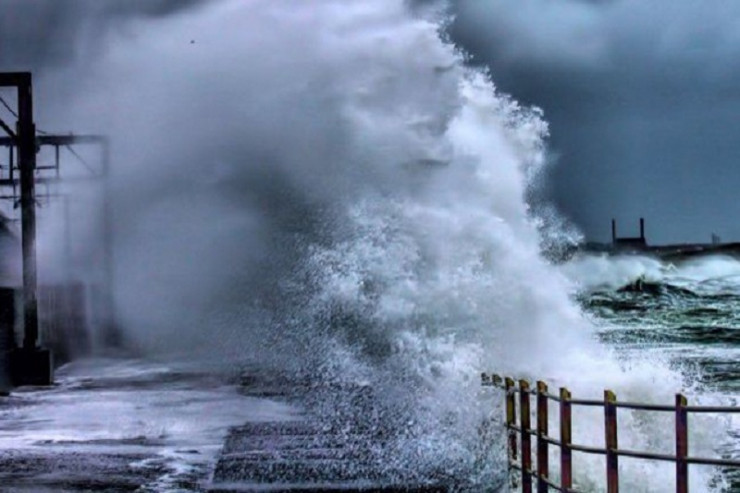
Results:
x,y
639,245
629,244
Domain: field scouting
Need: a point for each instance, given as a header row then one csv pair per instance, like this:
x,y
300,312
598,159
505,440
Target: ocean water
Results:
x,y
686,309
681,311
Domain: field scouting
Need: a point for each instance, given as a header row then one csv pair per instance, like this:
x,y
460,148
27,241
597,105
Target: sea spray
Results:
x,y
325,188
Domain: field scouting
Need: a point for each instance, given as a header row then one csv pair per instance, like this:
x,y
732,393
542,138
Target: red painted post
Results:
x,y
682,445
566,454
511,418
543,465
525,421
610,428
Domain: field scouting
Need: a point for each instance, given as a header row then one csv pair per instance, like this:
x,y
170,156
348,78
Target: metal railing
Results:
x,y
541,476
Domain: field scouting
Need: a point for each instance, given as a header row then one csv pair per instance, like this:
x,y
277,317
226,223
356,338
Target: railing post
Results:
x,y
524,420
543,466
682,445
566,462
610,427
511,418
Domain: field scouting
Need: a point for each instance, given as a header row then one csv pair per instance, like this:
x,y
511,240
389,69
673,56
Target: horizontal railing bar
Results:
x,y
588,450
628,405
713,462
551,441
488,382
645,455
519,430
644,407
586,402
552,397
491,383
518,467
712,409
549,483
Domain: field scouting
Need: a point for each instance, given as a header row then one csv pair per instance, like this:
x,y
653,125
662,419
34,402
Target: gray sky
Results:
x,y
38,34
643,98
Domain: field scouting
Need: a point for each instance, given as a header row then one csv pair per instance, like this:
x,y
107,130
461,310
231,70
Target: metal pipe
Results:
x,y
27,164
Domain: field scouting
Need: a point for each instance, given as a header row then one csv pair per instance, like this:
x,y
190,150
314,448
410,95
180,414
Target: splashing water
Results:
x,y
326,188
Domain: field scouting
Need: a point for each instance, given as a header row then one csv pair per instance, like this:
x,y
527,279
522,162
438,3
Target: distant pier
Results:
x,y
639,245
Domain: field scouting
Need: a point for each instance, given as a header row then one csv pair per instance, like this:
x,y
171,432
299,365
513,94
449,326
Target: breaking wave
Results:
x,y
327,189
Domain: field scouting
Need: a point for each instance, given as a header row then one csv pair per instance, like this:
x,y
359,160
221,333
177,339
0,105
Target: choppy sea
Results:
x,y
683,311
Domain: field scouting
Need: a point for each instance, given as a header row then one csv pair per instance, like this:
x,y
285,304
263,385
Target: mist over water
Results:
x,y
324,188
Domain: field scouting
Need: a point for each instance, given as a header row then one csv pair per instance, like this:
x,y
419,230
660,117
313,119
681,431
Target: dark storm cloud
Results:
x,y
643,100
38,34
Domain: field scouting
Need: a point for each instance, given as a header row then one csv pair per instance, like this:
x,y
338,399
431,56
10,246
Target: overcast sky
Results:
x,y
47,34
643,98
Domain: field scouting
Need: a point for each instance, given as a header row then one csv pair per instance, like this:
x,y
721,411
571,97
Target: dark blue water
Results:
x,y
684,311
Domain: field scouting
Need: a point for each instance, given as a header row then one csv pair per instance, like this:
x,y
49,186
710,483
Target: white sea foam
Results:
x,y
326,187
718,273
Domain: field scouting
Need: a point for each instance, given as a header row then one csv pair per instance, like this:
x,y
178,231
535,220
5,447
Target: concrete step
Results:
x,y
297,456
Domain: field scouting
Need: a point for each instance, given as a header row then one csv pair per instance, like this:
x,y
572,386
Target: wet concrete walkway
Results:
x,y
303,457
121,425
334,444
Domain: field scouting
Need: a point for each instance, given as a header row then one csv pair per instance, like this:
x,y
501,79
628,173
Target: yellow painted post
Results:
x,y
566,461
682,445
610,427
525,421
511,418
542,429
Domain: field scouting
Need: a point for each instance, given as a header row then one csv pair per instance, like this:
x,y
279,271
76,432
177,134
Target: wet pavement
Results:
x,y
123,425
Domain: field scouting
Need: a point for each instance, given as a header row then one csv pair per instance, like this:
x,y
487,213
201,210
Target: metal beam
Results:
x,y
12,137
46,180
15,79
27,163
60,140
110,332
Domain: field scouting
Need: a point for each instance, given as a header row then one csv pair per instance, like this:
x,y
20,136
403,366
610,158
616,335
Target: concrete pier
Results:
x,y
131,425
329,447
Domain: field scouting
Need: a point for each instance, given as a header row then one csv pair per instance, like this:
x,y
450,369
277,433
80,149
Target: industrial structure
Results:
x,y
61,310
629,243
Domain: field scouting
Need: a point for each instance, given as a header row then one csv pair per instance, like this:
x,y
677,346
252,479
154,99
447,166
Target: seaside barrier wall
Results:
x,y
63,325
520,433
7,335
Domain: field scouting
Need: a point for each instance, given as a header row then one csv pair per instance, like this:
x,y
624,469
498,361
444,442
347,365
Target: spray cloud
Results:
x,y
326,188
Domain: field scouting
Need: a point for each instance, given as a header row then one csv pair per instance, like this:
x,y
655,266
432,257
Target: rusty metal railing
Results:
x,y
541,476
